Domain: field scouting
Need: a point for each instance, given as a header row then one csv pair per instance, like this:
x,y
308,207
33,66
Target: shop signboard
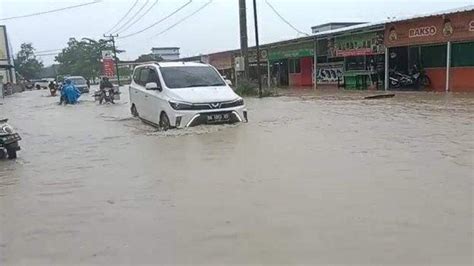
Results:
x,y
330,73
221,61
4,60
108,67
369,43
253,56
275,55
431,30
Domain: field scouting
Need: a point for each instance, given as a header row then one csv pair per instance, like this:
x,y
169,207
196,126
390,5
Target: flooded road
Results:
x,y
311,179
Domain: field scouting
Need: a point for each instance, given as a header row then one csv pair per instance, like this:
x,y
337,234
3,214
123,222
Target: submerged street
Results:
x,y
312,178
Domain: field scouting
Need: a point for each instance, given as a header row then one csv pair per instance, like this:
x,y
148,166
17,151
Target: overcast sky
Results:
x,y
215,28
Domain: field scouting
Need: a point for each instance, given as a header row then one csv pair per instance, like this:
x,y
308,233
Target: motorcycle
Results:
x,y
109,95
416,79
53,90
8,140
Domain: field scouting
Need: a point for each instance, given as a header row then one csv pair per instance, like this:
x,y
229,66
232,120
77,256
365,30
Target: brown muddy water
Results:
x,y
311,179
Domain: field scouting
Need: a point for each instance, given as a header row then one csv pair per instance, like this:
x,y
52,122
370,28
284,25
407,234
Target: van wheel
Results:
x,y
164,122
11,154
134,111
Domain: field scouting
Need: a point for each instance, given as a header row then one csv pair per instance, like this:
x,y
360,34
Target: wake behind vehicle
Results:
x,y
8,140
181,94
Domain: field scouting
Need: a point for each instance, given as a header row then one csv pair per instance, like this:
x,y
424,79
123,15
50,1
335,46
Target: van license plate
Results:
x,y
218,118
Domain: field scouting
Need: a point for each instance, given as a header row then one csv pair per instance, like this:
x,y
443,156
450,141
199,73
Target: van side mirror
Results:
x,y
228,82
152,86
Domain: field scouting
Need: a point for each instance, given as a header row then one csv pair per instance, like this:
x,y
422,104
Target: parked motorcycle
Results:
x,y
8,140
417,79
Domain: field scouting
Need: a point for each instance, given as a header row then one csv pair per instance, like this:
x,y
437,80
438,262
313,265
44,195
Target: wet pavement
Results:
x,y
314,178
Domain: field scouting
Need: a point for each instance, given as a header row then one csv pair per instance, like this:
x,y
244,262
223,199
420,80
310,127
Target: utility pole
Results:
x,y
257,44
244,46
112,39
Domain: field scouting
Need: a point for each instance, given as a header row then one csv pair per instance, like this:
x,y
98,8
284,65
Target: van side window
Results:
x,y
144,74
153,77
136,75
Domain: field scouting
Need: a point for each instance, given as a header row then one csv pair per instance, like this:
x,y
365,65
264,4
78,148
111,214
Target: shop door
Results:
x,y
306,71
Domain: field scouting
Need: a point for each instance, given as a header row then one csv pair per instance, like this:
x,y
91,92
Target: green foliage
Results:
x,y
148,58
26,63
83,57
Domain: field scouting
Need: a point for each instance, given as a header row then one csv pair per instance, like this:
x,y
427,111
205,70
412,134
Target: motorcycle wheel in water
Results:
x,y
8,140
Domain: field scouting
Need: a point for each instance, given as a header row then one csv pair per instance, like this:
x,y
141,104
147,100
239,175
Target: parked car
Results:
x,y
80,83
179,94
42,83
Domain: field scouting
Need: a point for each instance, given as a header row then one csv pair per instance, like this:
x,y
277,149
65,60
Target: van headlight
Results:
x,y
180,106
6,129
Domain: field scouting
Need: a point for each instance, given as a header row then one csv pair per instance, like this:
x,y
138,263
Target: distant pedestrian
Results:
x,y
88,84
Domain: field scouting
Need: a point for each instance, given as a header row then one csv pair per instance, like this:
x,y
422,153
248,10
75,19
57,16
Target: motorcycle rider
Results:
x,y
69,93
52,88
106,84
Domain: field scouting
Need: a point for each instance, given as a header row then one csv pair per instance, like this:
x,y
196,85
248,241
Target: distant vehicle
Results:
x,y
80,83
42,83
8,140
179,94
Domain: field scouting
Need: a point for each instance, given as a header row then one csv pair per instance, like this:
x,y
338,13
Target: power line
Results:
x,y
46,51
139,18
123,17
51,11
156,23
131,18
183,19
283,19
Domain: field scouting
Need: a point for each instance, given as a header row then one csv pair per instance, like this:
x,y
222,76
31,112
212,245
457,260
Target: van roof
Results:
x,y
178,64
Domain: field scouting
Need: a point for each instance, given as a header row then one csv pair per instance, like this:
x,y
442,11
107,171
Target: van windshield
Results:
x,y
78,81
191,76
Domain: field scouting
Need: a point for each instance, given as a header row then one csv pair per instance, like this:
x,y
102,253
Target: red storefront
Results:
x,y
442,45
223,62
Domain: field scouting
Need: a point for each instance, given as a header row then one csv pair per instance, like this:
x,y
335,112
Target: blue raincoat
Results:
x,y
70,93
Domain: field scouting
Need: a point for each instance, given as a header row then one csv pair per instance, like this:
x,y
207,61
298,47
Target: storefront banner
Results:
x,y
3,47
221,61
108,67
329,73
431,30
354,52
369,43
286,54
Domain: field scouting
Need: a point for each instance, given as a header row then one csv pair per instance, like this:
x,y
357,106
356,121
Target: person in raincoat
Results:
x,y
69,93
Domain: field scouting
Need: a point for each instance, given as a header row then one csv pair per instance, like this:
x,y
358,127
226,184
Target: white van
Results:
x,y
183,94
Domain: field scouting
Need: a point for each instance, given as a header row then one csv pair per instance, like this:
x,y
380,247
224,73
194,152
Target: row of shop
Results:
x,y
386,55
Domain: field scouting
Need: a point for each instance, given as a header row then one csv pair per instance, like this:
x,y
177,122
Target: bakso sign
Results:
x,y
422,32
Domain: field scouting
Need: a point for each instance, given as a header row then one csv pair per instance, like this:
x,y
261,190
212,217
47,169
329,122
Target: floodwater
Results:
x,y
326,178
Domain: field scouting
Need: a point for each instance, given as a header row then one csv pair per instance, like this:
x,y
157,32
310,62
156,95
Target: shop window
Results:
x,y
355,63
433,56
294,66
462,54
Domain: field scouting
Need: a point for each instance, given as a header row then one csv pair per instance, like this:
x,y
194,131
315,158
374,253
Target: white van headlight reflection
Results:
x,y
181,106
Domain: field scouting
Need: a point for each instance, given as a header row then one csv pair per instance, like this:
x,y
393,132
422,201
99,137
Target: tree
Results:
x,y
26,63
83,57
148,58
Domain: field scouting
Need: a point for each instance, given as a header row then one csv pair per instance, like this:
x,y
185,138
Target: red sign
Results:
x,y
422,32
108,67
456,27
354,52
